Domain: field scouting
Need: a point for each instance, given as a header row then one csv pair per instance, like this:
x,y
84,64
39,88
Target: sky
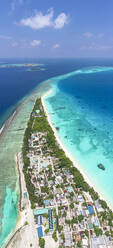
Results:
x,y
56,28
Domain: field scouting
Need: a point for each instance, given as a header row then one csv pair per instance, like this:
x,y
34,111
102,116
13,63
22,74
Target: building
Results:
x,y
39,231
90,208
39,219
40,211
98,242
50,219
47,203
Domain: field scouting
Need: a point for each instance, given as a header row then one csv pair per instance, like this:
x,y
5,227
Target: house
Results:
x,y
80,198
39,231
85,243
77,237
68,240
98,207
98,242
47,203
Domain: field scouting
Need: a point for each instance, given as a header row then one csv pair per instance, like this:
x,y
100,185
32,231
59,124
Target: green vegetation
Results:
x,y
79,244
87,233
46,230
84,204
103,204
45,190
60,228
80,218
62,237
98,231
41,125
41,242
107,233
71,205
26,223
74,221
54,236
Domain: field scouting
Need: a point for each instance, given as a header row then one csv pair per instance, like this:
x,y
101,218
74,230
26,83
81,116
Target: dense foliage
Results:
x,y
41,125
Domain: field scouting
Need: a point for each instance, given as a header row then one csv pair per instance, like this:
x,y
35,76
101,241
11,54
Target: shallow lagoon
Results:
x,y
82,103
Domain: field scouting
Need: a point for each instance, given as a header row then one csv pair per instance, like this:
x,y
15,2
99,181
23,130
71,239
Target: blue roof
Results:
x,y
90,208
50,219
70,189
25,194
44,164
96,222
40,233
46,202
66,172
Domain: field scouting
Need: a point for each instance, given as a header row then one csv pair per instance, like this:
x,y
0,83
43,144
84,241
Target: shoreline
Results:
x,y
18,225
8,121
68,153
4,127
25,213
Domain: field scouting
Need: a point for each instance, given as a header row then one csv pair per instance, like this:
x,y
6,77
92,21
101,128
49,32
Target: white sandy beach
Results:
x,y
67,152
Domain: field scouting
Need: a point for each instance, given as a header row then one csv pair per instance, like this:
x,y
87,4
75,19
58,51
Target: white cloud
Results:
x,y
100,47
39,20
60,21
5,37
56,46
88,34
14,44
14,3
35,43
97,47
91,35
101,35
20,1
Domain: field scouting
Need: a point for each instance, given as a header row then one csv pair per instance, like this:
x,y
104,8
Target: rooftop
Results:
x,y
40,211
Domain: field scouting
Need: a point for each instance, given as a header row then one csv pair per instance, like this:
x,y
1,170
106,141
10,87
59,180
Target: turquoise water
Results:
x,y
10,145
19,83
81,105
9,213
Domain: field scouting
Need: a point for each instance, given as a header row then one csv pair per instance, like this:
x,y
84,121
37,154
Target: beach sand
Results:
x,y
68,153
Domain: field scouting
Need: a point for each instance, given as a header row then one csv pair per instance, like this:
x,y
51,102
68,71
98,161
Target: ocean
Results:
x,y
81,107
82,104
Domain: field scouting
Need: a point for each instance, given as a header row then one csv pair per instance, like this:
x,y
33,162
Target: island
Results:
x,y
37,69
20,65
58,208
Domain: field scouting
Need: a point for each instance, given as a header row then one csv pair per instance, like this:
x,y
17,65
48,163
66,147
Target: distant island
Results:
x,y
20,65
37,69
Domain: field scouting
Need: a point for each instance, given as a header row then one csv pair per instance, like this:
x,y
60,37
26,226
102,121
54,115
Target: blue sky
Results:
x,y
56,28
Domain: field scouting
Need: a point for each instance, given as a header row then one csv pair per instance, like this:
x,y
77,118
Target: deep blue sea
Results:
x,y
15,83
85,122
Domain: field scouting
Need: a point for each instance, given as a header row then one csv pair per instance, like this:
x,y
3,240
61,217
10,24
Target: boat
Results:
x,y
101,166
57,128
